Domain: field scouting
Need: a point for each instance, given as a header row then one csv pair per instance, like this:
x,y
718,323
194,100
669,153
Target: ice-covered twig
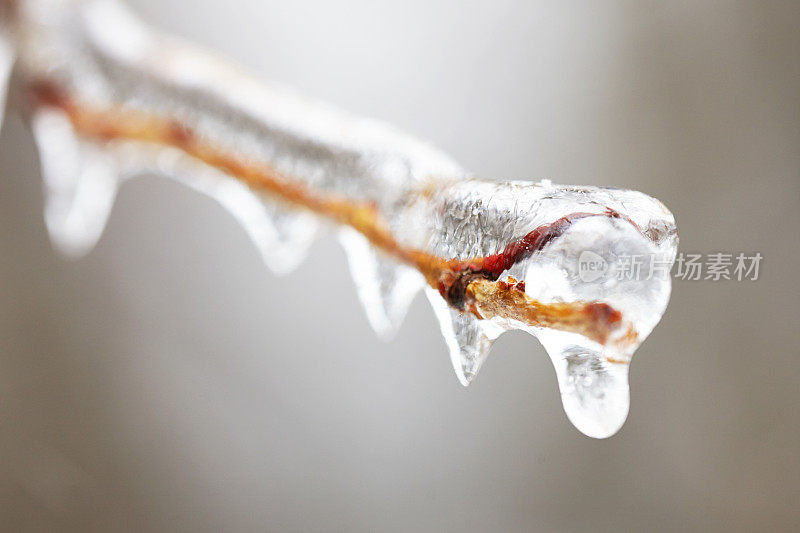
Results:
x,y
109,98
469,286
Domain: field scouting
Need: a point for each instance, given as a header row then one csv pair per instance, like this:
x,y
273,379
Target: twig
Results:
x,y
467,285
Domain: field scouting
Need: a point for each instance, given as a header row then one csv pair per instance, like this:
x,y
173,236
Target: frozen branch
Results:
x,y
109,98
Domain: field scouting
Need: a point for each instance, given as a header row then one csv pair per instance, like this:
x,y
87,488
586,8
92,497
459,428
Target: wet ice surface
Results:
x,y
117,61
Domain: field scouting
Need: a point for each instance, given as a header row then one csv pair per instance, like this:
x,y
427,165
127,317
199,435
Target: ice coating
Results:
x,y
475,218
98,52
526,242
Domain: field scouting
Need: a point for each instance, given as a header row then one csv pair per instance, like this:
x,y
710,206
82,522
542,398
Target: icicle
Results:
x,y
291,234
468,339
282,235
80,183
594,391
385,287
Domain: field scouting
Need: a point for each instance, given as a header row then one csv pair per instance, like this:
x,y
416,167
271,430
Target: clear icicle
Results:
x,y
385,287
80,184
468,339
281,235
291,236
594,391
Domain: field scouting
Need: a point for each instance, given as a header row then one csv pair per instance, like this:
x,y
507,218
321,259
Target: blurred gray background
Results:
x,y
169,381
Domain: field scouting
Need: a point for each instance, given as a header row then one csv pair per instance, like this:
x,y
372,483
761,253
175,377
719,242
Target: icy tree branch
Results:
x,y
467,285
109,98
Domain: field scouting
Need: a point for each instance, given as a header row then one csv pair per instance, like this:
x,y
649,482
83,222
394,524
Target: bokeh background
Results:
x,y
169,382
